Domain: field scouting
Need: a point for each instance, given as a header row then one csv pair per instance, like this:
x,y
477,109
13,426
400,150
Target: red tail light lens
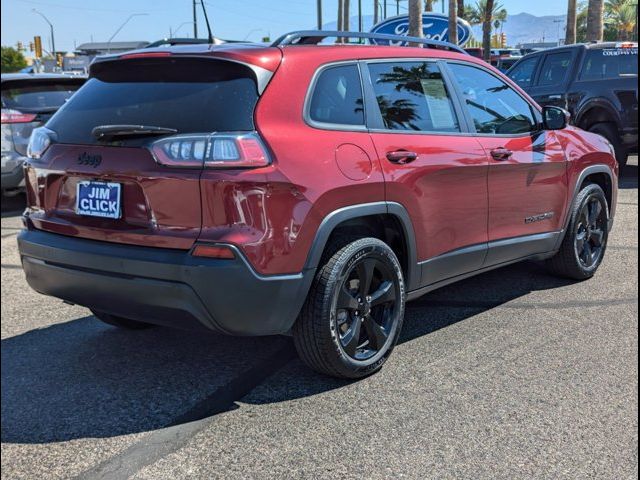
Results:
x,y
216,150
14,116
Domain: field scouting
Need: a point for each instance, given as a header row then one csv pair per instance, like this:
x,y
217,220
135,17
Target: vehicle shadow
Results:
x,y
83,379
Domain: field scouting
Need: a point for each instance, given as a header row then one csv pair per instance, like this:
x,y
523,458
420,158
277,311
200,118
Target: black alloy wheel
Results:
x,y
353,314
365,307
590,238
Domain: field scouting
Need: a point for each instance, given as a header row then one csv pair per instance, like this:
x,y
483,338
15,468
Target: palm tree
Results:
x,y
428,5
621,14
340,12
453,22
460,9
595,21
415,18
376,8
572,21
486,28
484,12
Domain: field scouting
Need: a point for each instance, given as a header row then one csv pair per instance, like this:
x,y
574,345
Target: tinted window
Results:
x,y
189,95
35,97
523,72
494,106
555,68
413,96
608,63
337,97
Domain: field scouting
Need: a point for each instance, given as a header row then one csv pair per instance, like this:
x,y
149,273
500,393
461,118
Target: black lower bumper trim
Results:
x,y
167,287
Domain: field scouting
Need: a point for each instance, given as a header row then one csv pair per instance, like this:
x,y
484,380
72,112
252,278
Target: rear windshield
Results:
x,y
609,63
189,95
34,96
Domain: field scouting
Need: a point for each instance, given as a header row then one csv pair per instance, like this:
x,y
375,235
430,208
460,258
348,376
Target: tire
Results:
x,y
346,329
585,241
121,322
610,132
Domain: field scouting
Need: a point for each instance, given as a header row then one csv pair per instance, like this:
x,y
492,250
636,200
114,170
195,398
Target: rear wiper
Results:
x,y
103,132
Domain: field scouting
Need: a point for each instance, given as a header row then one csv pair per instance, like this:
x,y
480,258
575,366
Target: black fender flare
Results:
x,y
333,219
601,104
590,170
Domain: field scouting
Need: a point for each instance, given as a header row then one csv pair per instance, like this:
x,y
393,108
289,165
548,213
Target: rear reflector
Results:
x,y
14,116
213,251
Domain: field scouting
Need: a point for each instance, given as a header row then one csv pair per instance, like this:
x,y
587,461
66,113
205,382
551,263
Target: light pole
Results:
x,y
53,41
121,27
559,22
250,32
173,32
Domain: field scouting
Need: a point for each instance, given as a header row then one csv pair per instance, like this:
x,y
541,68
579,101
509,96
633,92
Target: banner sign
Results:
x,y
435,26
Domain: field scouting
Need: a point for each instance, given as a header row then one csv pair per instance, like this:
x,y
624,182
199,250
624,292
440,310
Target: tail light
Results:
x,y
215,150
39,141
14,116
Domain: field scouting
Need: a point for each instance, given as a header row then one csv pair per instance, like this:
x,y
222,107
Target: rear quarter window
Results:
x,y
337,97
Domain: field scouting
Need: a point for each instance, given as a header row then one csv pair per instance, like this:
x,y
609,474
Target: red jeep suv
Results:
x,y
303,188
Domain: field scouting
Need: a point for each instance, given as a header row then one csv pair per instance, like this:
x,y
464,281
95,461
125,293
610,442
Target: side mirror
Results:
x,y
555,118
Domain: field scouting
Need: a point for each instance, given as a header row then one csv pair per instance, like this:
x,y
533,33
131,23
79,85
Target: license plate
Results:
x,y
98,199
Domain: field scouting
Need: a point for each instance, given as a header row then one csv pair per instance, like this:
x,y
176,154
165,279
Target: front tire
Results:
x,y
121,322
585,240
353,315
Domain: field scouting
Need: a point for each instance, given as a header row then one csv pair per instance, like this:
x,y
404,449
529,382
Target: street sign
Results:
x,y
435,26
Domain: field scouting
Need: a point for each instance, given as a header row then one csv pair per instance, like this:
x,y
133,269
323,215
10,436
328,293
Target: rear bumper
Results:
x,y
166,287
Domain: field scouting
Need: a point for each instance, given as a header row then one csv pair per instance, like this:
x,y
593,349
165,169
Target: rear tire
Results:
x,y
610,132
585,240
121,322
353,314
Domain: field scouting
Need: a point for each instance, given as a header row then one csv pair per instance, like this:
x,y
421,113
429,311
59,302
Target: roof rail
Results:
x,y
314,37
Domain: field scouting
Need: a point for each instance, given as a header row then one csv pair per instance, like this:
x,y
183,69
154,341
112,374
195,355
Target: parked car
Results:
x,y
597,83
505,63
28,101
304,189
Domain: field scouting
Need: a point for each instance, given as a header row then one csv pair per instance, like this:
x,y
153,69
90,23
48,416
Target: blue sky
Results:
x,y
76,21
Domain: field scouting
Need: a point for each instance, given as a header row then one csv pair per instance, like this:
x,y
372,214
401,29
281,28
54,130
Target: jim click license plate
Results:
x,y
98,199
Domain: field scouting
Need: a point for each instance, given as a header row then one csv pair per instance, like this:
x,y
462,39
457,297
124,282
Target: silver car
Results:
x,y
28,101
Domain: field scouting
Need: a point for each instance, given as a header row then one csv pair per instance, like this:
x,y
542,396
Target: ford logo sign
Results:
x,y
435,26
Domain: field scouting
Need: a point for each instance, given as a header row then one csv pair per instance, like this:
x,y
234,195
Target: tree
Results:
x,y
415,18
453,22
485,12
595,21
572,14
460,9
620,19
428,5
486,29
12,60
376,8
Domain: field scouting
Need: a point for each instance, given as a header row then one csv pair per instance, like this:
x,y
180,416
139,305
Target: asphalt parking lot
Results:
x,y
512,374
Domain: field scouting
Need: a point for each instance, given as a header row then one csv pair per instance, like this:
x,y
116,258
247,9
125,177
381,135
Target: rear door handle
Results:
x,y
501,154
401,156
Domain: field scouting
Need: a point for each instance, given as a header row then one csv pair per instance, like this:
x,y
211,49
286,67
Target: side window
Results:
x,y
555,69
523,72
413,96
494,106
337,97
609,63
